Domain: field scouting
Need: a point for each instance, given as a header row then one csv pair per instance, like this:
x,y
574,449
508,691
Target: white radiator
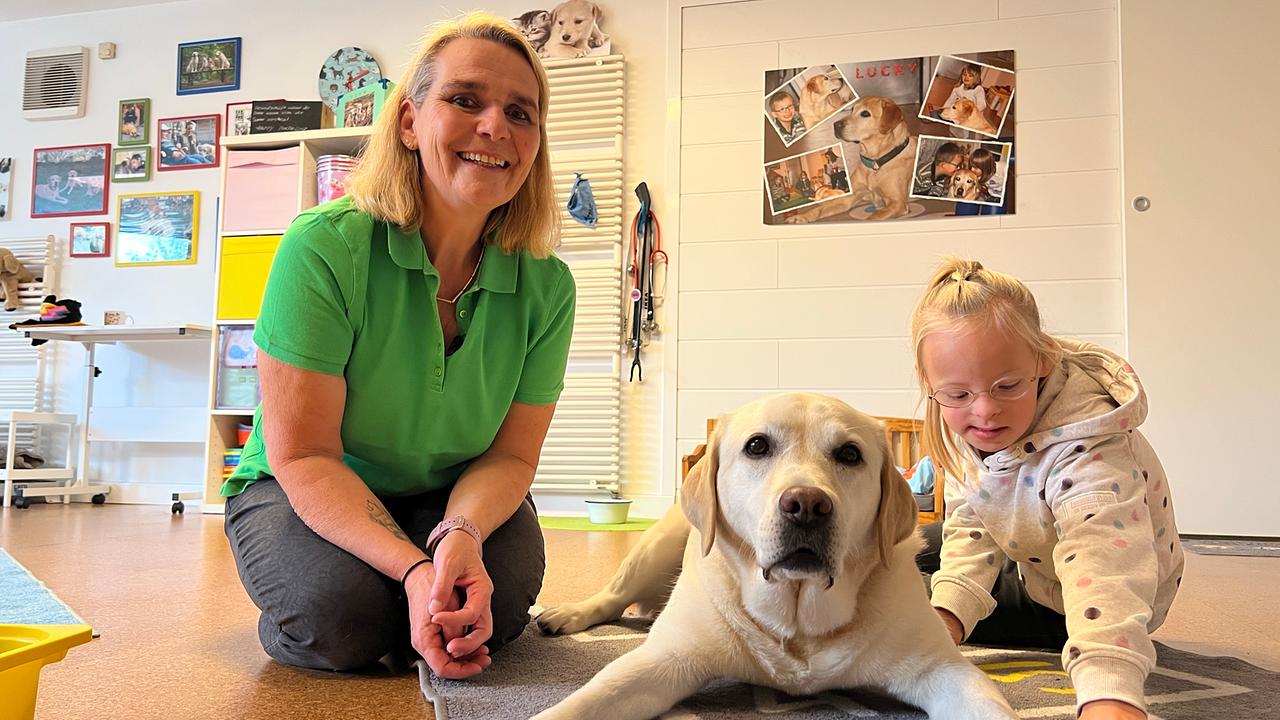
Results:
x,y
21,365
584,128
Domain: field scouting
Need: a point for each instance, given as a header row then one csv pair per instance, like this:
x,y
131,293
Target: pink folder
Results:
x,y
262,189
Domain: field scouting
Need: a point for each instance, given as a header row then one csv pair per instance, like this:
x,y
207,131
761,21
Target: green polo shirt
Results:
x,y
353,296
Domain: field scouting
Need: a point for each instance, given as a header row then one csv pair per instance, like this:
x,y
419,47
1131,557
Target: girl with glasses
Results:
x,y
1059,529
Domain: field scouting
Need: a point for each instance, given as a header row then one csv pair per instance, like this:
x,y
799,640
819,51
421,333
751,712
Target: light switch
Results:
x,y
106,51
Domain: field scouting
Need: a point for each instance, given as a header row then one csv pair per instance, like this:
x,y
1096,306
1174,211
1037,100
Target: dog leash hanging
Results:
x,y
639,254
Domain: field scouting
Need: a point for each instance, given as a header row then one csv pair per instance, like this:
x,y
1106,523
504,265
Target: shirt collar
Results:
x,y
497,270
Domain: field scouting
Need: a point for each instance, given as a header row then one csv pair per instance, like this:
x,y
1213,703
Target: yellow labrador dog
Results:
x,y
797,538
881,172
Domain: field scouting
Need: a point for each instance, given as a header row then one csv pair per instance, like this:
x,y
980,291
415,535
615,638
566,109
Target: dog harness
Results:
x,y
885,158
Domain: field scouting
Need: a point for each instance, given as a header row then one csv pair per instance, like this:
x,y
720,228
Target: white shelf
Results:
x,y
246,321
340,138
242,412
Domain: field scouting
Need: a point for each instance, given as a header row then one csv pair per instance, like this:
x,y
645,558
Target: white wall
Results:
x,y
284,46
826,308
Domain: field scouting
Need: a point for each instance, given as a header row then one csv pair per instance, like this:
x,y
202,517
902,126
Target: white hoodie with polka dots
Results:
x,y
1082,505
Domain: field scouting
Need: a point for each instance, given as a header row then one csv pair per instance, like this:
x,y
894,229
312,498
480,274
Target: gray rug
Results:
x,y
1224,546
537,671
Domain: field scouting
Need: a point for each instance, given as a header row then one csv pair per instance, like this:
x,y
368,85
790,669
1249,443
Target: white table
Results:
x,y
91,336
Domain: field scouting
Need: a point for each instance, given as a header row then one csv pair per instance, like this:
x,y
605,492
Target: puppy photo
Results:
x,y
881,173
793,547
574,30
822,93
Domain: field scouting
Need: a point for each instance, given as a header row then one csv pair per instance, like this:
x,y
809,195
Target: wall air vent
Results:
x,y
55,83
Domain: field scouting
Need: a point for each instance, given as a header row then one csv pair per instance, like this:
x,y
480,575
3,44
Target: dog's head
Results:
x,y
572,22
801,483
869,117
963,184
960,111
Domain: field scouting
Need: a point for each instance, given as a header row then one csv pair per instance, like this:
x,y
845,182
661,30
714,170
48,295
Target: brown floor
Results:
x,y
179,634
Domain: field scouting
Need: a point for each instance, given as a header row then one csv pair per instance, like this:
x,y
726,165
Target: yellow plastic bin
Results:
x,y
24,649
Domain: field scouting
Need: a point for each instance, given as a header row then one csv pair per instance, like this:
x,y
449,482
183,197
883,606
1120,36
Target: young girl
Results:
x,y
1060,528
987,164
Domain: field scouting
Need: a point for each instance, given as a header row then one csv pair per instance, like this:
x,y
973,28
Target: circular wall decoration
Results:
x,y
345,70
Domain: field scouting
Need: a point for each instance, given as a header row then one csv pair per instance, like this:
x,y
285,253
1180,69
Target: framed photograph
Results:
x,y
157,228
360,107
6,182
131,164
961,171
70,180
970,95
209,66
90,239
806,179
238,116
134,121
188,143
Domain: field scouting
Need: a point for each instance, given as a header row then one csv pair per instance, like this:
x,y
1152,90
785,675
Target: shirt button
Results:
x,y
462,313
438,372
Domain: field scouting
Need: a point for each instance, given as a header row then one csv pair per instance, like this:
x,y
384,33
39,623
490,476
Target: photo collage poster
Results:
x,y
921,137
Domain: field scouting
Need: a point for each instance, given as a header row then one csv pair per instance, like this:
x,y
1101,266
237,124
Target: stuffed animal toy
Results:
x,y
53,313
12,272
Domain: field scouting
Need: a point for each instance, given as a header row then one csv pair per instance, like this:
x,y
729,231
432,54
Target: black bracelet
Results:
x,y
404,578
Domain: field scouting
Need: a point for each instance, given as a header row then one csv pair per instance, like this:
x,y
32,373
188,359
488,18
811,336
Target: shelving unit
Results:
x,y
244,256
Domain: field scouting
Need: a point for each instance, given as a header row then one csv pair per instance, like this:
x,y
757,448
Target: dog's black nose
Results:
x,y
805,506
566,38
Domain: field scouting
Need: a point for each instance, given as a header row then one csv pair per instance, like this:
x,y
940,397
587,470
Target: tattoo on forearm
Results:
x,y
379,515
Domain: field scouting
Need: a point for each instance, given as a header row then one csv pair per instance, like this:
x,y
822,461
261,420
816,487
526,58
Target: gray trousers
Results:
x,y
324,608
1018,621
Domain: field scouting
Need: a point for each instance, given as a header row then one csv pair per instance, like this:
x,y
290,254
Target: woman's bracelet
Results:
x,y
405,578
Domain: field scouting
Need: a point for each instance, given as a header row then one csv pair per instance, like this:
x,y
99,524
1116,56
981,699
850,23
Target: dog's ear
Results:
x,y
597,11
896,519
698,497
890,115
11,264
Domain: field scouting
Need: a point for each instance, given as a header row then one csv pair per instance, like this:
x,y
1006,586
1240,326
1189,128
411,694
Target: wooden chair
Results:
x,y
903,435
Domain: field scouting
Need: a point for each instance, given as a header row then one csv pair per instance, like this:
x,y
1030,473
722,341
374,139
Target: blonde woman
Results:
x,y
412,346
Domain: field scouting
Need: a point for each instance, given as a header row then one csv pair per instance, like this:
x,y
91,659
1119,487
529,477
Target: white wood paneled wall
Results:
x,y
826,308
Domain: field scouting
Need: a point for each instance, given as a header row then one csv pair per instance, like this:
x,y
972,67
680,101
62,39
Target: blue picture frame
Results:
x,y
208,66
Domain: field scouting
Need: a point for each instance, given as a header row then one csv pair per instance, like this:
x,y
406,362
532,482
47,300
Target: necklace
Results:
x,y
474,272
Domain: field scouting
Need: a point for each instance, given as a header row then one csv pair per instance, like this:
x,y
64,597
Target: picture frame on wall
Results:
x,y
239,115
70,180
131,164
134,122
6,182
160,228
87,240
188,143
208,66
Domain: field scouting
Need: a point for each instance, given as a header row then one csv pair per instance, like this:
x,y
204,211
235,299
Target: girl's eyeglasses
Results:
x,y
1002,390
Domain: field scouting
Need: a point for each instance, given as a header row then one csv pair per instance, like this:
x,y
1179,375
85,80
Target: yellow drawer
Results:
x,y
246,261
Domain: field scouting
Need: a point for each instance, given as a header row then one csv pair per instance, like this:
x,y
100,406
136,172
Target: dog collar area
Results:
x,y
885,158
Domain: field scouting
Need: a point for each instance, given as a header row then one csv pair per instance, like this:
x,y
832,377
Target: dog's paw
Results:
x,y
798,220
568,619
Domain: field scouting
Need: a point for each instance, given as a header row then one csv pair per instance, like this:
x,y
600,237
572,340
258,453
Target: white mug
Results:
x,y
116,317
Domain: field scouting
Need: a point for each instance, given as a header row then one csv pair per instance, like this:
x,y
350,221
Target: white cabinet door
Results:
x,y
1201,123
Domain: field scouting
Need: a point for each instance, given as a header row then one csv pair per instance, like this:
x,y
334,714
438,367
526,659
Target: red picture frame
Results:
x,y
63,182
90,250
203,142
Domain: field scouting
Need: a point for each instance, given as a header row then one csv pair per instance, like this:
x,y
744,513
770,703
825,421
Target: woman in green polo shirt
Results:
x,y
412,345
